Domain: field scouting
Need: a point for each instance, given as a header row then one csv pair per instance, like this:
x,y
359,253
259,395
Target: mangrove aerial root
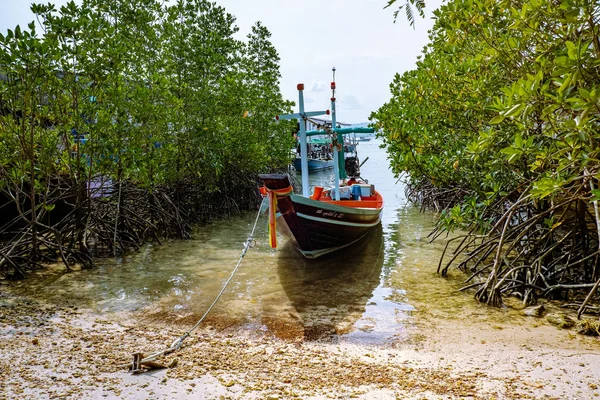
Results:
x,y
83,224
531,249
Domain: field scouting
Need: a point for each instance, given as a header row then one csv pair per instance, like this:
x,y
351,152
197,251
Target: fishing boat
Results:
x,y
320,156
330,219
314,164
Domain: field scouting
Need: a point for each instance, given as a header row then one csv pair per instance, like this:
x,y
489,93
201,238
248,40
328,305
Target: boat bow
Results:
x,y
320,226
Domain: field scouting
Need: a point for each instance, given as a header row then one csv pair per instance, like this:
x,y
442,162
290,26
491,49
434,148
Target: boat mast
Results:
x,y
340,137
301,115
336,155
303,147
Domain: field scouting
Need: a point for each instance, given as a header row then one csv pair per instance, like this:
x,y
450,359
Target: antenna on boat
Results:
x,y
338,159
333,83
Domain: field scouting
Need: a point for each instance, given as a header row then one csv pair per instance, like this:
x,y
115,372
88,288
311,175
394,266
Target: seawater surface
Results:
x,y
382,291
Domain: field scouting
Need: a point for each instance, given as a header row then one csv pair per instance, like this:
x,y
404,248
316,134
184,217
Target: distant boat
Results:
x,y
330,219
314,164
320,156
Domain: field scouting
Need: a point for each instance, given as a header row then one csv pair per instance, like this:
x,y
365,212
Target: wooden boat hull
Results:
x,y
318,227
314,164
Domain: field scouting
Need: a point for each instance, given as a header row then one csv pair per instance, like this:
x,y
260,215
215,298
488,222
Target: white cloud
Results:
x,y
318,86
350,103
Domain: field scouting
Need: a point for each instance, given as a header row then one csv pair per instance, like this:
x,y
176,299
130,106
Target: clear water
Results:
x,y
376,293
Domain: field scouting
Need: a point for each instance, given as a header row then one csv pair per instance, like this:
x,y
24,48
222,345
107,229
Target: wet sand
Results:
x,y
50,351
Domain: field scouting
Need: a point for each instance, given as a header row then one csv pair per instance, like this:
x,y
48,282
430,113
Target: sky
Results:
x,y
357,37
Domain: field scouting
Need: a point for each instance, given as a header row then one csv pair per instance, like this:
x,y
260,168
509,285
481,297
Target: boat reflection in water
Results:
x,y
329,294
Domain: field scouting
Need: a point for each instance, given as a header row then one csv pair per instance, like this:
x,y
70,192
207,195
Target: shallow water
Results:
x,y
377,293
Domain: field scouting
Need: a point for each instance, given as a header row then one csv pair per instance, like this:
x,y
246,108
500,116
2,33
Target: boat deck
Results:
x,y
375,201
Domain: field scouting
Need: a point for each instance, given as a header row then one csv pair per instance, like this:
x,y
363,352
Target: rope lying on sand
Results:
x,y
139,360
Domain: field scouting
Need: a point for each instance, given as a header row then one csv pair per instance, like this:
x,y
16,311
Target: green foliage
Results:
x,y
410,17
161,94
504,100
160,100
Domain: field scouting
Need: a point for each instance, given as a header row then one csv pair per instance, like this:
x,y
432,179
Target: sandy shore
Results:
x,y
50,351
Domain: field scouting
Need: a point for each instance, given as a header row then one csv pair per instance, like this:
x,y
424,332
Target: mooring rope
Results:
x,y
176,345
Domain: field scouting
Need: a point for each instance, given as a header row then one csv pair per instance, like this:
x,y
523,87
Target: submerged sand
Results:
x,y
50,351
